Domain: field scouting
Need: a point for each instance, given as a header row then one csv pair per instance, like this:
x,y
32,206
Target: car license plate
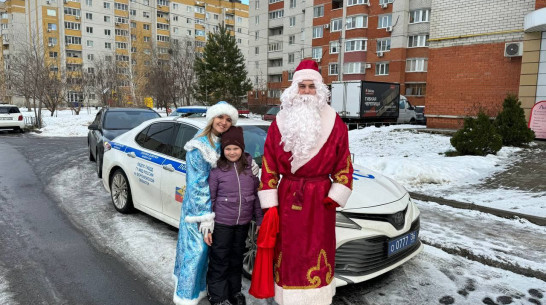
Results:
x,y
403,242
6,118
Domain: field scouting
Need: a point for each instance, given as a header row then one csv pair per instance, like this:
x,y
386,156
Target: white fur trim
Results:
x,y
180,301
317,296
327,121
268,198
209,154
201,218
306,74
339,193
223,108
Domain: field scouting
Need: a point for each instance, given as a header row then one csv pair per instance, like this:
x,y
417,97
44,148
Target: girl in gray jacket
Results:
x,y
233,192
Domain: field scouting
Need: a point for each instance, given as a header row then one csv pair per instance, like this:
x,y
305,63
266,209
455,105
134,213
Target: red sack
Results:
x,y
262,286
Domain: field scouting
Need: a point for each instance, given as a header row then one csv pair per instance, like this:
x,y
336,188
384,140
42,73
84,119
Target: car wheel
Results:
x,y
91,158
412,121
99,165
120,192
251,247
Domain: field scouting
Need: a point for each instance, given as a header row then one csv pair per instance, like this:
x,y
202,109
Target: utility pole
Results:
x,y
342,43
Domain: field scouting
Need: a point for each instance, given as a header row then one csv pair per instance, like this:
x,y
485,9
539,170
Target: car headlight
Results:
x,y
345,222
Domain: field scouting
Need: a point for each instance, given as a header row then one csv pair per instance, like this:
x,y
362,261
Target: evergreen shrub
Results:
x,y
511,123
477,137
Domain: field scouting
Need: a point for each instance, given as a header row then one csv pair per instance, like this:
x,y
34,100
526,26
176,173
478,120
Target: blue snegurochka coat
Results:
x,y
190,268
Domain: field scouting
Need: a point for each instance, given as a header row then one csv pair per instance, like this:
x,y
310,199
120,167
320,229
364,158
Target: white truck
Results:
x,y
371,102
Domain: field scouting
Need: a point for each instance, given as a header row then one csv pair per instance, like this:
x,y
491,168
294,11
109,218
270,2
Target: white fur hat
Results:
x,y
223,108
307,70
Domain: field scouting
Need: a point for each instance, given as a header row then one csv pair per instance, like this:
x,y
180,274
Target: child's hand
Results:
x,y
208,239
257,229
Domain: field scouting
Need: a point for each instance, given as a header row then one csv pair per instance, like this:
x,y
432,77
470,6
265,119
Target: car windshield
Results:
x,y
127,119
255,140
9,110
274,110
419,109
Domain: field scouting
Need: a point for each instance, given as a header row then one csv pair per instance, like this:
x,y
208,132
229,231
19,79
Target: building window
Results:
x,y
167,38
121,45
162,26
383,45
163,2
90,56
416,65
90,43
88,16
275,47
107,19
357,22
89,29
291,39
382,68
89,2
53,54
290,75
416,41
334,47
291,57
133,12
72,40
353,68
418,16
293,3
292,21
146,27
416,89
357,2
257,4
276,14
336,25
71,11
355,45
50,26
256,19
49,13
384,21
385,1
120,6
175,6
72,26
318,11
274,1
108,45
333,69
106,5
52,41
317,31
257,50
317,53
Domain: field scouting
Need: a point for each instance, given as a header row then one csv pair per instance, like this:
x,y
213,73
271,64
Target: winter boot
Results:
x,y
238,299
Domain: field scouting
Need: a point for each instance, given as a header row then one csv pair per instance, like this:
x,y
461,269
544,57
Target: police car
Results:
x,y
376,231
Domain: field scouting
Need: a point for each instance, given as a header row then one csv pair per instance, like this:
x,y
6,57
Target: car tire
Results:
x,y
91,158
120,192
249,257
99,165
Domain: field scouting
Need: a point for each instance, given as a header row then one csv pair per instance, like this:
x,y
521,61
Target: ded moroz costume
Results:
x,y
307,146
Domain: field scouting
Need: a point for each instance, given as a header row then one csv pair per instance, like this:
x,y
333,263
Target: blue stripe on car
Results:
x,y
178,166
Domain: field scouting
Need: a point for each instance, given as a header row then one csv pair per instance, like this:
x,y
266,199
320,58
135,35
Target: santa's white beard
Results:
x,y
300,125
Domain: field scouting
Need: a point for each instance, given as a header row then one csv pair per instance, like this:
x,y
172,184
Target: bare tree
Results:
x,y
103,80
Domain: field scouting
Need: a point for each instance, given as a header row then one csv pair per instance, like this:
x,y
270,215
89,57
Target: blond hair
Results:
x,y
208,132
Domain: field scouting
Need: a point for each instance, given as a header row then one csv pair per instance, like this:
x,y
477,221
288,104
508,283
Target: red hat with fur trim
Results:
x,y
307,70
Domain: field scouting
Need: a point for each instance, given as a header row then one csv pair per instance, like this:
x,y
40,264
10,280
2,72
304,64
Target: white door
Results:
x,y
173,184
403,112
146,165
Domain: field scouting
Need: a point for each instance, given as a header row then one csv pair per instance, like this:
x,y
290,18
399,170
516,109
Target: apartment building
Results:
x,y
76,33
373,40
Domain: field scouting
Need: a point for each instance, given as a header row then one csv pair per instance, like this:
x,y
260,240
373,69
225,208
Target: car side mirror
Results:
x,y
93,127
411,108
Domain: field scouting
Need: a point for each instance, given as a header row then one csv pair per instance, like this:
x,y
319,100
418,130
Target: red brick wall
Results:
x,y
540,4
462,80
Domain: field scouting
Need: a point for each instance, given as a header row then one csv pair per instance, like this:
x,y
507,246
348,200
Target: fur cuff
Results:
x,y
339,193
316,296
268,198
209,153
180,301
200,218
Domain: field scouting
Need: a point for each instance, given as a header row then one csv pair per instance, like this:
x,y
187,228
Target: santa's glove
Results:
x,y
255,168
330,203
206,227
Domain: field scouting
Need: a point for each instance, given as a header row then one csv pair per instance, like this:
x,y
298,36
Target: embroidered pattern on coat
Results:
x,y
314,280
341,176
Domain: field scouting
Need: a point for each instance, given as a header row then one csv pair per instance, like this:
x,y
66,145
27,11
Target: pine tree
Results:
x,y
221,72
511,123
477,137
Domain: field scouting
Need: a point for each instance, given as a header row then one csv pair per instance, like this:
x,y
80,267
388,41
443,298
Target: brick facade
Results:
x,y
464,79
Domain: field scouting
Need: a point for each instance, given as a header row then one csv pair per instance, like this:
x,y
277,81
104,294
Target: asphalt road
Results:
x,y
48,260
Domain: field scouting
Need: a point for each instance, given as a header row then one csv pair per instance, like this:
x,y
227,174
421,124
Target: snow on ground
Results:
x,y
432,277
417,160
5,295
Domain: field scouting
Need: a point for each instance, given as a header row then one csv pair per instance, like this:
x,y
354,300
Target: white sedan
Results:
x,y
376,231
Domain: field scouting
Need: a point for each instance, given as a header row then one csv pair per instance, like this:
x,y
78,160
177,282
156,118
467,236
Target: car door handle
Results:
x,y
168,167
131,154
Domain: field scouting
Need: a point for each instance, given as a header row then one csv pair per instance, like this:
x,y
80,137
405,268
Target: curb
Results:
x,y
541,221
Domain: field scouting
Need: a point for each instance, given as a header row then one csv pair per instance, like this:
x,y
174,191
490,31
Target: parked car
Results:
x,y
11,118
110,123
272,113
406,112
189,111
376,231
420,117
